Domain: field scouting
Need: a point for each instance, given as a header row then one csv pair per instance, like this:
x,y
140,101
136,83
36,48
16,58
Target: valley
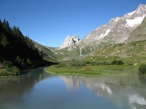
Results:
x,y
122,38
104,69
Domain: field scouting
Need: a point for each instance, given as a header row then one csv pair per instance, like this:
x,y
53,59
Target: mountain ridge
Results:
x,y
70,41
117,31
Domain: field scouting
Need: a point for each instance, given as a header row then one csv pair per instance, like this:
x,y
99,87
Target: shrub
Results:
x,y
77,64
2,72
14,70
142,69
60,65
7,64
87,69
11,71
28,61
117,62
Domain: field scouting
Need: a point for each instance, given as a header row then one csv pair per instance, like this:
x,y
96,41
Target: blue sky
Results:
x,y
48,22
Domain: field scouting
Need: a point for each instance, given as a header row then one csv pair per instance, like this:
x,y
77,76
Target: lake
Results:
x,y
40,90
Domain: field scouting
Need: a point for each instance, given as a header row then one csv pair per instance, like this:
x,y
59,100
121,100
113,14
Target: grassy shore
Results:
x,y
93,70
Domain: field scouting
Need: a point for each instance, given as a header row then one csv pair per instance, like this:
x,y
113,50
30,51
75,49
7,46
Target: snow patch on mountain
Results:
x,y
134,22
105,34
117,19
131,13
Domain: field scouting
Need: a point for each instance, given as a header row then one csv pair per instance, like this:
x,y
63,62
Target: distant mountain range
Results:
x,y
118,29
129,28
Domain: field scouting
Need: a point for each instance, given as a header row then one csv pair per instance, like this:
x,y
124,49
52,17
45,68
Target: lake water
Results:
x,y
39,90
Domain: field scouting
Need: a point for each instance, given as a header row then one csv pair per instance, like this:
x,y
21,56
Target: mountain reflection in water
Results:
x,y
122,89
40,90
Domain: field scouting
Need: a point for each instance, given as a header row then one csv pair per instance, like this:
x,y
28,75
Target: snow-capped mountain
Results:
x,y
70,41
138,34
117,30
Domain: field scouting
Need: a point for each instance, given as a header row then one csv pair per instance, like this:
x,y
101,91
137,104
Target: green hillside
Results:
x,y
17,52
46,52
131,53
65,54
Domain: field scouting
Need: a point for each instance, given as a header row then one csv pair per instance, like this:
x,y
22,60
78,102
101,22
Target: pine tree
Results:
x,y
28,61
4,42
6,25
18,59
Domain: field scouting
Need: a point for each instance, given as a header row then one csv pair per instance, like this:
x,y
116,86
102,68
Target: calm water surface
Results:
x,y
39,90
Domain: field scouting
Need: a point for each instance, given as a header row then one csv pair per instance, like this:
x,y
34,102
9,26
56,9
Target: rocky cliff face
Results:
x,y
117,30
70,41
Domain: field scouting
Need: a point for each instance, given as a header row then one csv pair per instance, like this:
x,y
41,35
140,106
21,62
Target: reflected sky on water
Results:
x,y
39,90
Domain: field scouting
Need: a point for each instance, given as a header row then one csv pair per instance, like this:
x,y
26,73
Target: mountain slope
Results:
x,y
139,33
70,41
133,53
47,54
17,50
118,29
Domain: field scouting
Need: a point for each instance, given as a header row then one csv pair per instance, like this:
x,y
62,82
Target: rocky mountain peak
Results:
x,y
117,30
70,41
141,8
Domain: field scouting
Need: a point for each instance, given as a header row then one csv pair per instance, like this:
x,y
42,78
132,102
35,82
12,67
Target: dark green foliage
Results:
x,y
14,70
117,62
9,69
17,49
142,69
77,64
60,65
18,59
98,63
7,64
13,44
3,41
28,61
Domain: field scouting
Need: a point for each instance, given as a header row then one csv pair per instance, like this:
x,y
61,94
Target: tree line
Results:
x,y
16,49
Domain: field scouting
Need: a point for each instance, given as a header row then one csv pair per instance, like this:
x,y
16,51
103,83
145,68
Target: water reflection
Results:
x,y
122,90
71,82
143,79
40,90
12,88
